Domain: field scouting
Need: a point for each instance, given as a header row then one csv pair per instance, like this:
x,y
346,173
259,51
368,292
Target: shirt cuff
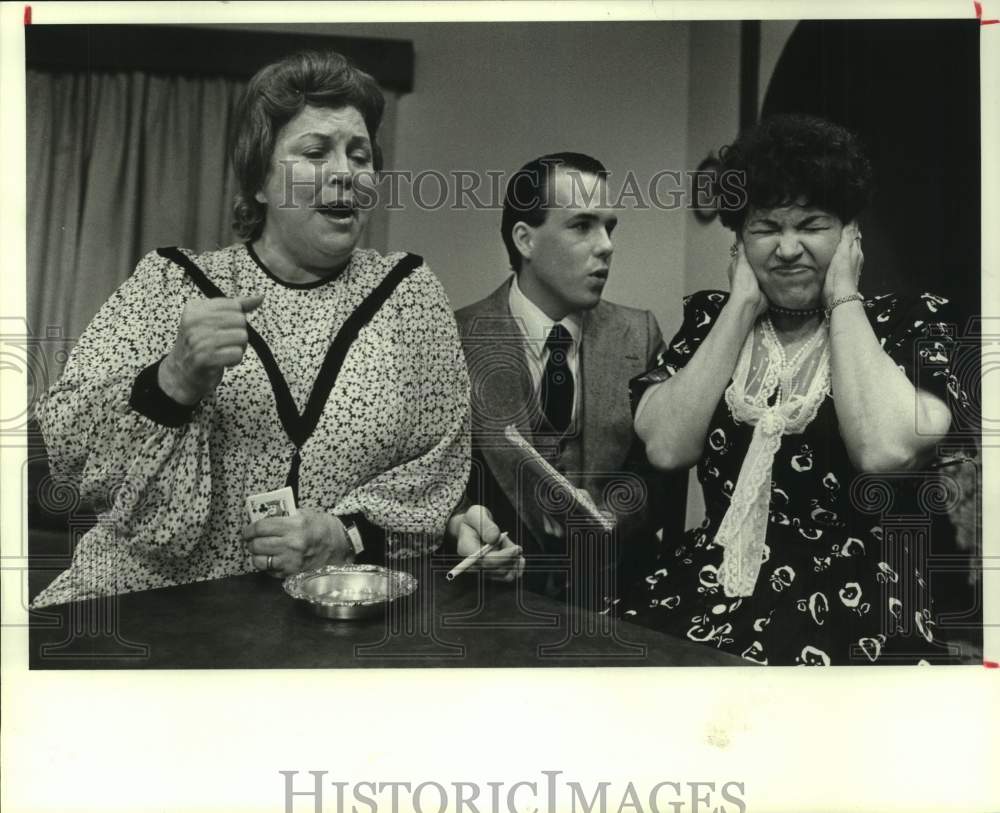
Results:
x,y
149,399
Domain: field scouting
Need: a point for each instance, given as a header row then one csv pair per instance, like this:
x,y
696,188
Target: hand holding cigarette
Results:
x,y
485,548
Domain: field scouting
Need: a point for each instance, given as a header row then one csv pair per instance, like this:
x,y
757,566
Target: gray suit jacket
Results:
x,y
618,344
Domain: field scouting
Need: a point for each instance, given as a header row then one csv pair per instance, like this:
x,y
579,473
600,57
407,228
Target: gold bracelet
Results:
x,y
842,300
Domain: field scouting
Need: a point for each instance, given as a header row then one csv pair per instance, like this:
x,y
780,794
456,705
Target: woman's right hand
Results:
x,y
212,336
743,285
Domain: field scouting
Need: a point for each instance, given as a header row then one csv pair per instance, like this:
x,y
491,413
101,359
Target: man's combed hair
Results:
x,y
276,94
527,193
792,158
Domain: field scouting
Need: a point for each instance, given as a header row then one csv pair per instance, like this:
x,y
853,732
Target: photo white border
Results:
x,y
893,738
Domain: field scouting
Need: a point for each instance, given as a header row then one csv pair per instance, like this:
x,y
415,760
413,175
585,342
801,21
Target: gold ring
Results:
x,y
270,561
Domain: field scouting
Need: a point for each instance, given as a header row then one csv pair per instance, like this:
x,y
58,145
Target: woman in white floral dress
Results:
x,y
797,397
293,358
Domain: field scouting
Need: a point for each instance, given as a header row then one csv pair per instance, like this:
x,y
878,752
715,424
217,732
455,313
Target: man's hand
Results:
x,y
477,528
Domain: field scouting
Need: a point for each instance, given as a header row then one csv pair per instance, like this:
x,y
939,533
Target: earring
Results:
x,y
734,249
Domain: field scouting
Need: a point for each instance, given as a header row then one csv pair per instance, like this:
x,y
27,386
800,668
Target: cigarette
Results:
x,y
472,558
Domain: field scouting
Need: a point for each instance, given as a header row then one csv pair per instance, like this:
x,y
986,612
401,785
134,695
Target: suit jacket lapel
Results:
x,y
499,343
503,395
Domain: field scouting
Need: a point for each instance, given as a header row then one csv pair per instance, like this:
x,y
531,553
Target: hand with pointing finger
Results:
x,y
212,336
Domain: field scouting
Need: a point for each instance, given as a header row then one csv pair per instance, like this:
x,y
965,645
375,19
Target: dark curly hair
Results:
x,y
788,158
276,94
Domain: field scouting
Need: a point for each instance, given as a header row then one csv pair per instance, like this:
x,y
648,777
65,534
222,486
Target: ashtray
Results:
x,y
349,591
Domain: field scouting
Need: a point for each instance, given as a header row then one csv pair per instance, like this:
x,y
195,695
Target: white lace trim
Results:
x,y
744,526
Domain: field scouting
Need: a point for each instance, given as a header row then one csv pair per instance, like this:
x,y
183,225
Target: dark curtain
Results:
x,y
118,164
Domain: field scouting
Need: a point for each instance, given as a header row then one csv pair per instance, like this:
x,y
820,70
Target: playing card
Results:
x,y
280,503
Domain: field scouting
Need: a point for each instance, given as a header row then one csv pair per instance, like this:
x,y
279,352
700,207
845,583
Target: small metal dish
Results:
x,y
349,591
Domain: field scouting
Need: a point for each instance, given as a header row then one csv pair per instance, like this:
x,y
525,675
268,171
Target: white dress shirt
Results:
x,y
536,327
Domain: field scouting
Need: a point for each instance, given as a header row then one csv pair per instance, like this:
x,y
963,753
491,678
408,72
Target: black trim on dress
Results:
x,y
298,427
148,398
296,286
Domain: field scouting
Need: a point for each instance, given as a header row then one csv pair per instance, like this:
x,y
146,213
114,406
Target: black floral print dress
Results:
x,y
835,586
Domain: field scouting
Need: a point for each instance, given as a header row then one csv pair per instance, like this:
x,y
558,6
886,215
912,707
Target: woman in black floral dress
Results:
x,y
800,401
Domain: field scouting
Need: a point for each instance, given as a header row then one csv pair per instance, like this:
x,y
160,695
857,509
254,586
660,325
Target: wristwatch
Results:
x,y
354,538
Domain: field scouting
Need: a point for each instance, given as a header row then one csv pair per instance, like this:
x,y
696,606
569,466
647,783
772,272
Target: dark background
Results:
x,y
893,82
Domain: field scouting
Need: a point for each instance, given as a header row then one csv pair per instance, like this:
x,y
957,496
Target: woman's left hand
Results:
x,y
287,545
845,268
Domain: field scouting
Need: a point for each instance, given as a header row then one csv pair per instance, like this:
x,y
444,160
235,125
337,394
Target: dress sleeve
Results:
x,y
413,501
138,457
923,336
655,346
701,309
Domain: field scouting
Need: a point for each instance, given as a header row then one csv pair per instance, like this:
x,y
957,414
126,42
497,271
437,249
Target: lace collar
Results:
x,y
777,396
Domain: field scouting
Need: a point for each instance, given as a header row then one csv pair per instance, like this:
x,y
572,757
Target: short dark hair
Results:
x,y
527,191
792,157
275,95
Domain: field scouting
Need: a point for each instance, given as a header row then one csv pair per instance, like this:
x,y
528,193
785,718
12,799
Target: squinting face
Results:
x,y
569,255
789,249
321,158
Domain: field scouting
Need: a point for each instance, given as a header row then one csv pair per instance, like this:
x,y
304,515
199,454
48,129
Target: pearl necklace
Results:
x,y
773,335
789,366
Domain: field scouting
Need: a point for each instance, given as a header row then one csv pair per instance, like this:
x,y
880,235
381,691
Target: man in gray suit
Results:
x,y
548,356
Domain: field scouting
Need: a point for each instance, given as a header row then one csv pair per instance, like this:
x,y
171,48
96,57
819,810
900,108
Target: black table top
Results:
x,y
248,622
